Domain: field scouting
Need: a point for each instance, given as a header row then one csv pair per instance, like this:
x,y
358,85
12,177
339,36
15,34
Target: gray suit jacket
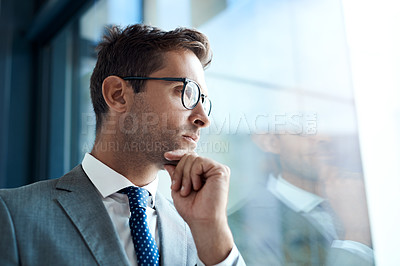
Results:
x,y
64,222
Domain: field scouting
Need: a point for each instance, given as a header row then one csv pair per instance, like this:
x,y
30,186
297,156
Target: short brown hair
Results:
x,y
138,51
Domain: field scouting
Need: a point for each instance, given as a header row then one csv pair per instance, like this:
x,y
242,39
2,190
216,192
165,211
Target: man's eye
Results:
x,y
179,89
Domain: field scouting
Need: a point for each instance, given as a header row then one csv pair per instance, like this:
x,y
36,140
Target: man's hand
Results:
x,y
345,191
200,193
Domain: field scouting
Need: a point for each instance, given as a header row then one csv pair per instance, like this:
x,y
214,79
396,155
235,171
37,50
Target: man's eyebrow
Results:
x,y
171,83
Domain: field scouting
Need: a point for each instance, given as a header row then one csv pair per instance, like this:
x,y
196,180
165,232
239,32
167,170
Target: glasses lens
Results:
x,y
206,105
191,95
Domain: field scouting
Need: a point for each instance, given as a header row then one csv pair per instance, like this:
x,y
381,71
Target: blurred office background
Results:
x,y
320,70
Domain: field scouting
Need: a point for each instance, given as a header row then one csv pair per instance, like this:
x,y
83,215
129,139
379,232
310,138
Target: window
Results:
x,y
284,120
71,58
285,117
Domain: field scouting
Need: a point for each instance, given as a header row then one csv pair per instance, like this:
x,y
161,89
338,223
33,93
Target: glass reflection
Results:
x,y
311,207
305,205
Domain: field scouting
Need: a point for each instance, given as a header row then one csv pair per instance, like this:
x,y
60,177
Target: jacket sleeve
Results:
x,y
8,243
344,257
234,259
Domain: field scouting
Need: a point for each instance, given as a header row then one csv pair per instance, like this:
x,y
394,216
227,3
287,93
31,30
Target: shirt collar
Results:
x,y
295,198
107,181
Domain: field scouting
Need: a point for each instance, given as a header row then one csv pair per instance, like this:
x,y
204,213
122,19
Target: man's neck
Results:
x,y
132,166
301,182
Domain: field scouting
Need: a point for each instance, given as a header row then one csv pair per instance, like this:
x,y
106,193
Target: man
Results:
x,y
150,98
310,211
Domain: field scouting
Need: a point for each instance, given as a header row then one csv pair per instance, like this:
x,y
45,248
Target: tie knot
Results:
x,y
137,196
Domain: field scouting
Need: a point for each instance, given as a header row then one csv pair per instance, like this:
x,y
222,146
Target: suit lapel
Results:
x,y
173,233
265,224
82,203
304,244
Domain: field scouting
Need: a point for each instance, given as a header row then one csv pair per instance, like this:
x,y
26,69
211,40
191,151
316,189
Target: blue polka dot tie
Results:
x,y
145,245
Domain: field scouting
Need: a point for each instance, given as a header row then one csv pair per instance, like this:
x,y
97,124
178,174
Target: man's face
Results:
x,y
303,155
157,121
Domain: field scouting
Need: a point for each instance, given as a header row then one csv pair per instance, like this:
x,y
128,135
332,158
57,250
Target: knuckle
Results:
x,y
223,171
220,173
198,159
227,169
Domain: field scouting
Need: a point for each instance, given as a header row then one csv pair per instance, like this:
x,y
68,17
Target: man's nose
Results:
x,y
199,116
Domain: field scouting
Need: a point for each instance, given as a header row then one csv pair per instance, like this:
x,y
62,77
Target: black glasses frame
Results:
x,y
185,82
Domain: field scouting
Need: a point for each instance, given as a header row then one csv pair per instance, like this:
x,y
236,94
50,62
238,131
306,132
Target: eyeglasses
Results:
x,y
191,93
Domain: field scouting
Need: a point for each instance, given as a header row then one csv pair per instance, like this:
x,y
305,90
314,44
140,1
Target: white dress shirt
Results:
x,y
302,201
108,182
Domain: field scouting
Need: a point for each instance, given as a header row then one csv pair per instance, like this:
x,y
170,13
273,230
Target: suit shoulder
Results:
x,y
28,200
35,192
31,189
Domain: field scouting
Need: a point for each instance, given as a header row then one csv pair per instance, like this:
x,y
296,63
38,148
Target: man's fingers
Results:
x,y
186,175
178,175
196,173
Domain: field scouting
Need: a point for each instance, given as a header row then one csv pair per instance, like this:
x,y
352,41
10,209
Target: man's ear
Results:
x,y
115,93
267,142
